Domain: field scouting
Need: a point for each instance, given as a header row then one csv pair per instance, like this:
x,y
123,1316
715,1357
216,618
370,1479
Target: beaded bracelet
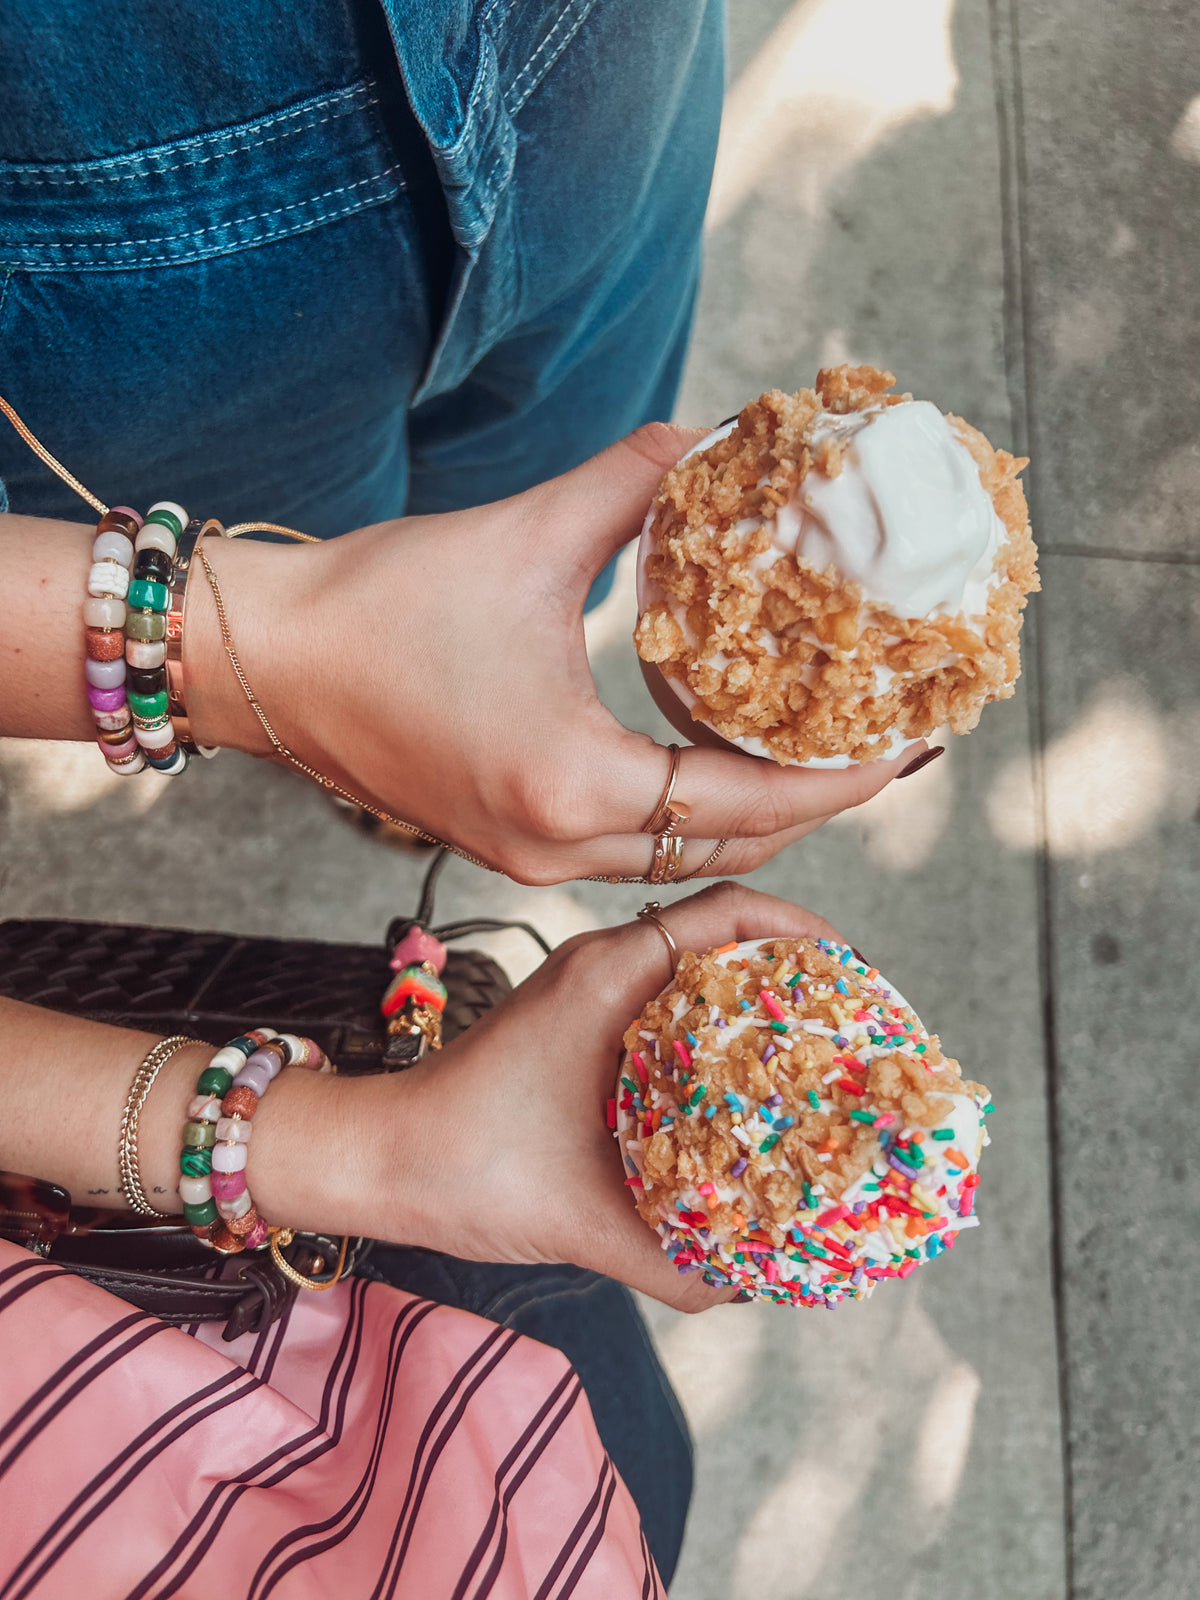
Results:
x,y
145,636
212,1164
104,620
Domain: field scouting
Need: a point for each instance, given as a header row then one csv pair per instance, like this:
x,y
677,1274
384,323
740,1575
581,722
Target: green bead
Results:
x,y
200,1134
148,705
145,626
195,1163
144,593
214,1080
199,1216
167,519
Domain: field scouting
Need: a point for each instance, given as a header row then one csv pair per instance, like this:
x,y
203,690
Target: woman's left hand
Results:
x,y
502,1152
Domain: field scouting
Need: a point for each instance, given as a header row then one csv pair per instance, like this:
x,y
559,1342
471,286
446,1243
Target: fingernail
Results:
x,y
922,760
741,1297
859,953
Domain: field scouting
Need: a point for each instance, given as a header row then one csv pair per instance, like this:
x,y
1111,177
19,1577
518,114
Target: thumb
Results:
x,y
591,512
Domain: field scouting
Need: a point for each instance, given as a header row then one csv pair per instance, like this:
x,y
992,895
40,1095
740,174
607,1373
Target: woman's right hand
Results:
x,y
499,1148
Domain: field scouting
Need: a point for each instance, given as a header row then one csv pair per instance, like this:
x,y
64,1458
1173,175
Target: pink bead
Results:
x,y
257,1237
113,546
418,946
204,1108
236,1129
105,699
225,1185
229,1157
114,752
128,511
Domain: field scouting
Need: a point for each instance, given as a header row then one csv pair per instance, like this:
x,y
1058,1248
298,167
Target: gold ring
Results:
x,y
666,859
706,863
669,818
648,914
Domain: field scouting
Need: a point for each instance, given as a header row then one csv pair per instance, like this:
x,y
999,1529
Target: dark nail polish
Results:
x,y
922,760
741,1297
860,956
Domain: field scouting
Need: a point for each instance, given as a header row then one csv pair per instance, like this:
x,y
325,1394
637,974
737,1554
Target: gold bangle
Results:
x,y
181,572
283,1236
127,1145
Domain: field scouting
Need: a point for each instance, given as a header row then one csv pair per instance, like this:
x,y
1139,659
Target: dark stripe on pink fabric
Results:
x,y
33,1276
335,1394
231,1387
583,1523
342,1523
584,1558
280,1328
60,1375
410,1511
548,1426
150,1329
211,1516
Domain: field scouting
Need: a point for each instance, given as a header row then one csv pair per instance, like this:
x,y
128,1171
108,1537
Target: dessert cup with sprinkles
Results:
x,y
834,575
790,1129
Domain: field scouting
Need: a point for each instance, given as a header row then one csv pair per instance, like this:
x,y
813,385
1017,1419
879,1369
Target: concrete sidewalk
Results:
x,y
998,202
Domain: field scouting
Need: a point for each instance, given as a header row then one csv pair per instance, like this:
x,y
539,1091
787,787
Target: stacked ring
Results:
x,y
104,613
145,636
669,816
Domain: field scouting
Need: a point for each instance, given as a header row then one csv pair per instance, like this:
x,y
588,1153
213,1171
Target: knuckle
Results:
x,y
659,443
531,867
541,809
722,895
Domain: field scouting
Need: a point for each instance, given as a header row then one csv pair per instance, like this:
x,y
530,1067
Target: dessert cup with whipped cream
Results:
x,y
836,574
789,1127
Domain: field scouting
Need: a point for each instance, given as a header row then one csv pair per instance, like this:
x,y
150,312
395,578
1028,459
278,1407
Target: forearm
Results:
x,y
43,575
322,1155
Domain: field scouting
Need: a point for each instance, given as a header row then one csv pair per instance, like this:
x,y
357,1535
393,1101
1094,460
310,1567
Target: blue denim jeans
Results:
x,y
328,263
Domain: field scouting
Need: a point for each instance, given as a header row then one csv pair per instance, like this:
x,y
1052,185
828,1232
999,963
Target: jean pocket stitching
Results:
x,y
514,99
148,163
393,190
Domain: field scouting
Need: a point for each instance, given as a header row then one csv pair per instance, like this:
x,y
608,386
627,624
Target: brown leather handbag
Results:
x,y
213,985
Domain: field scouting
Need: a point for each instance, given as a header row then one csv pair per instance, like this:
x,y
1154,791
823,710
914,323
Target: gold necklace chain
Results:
x,y
39,449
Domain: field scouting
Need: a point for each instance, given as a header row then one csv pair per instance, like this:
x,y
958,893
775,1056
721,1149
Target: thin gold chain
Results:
x,y
39,449
606,877
270,527
281,749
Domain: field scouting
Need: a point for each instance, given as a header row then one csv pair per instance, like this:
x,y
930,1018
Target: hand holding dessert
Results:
x,y
518,1104
436,667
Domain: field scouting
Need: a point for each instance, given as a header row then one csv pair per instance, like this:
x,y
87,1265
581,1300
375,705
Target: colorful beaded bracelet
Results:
x,y
212,1164
146,632
104,613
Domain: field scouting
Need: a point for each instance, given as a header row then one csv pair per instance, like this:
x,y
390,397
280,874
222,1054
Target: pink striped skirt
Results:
x,y
368,1444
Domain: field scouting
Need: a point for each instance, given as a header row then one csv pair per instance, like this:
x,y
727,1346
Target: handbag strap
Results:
x,y
217,985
